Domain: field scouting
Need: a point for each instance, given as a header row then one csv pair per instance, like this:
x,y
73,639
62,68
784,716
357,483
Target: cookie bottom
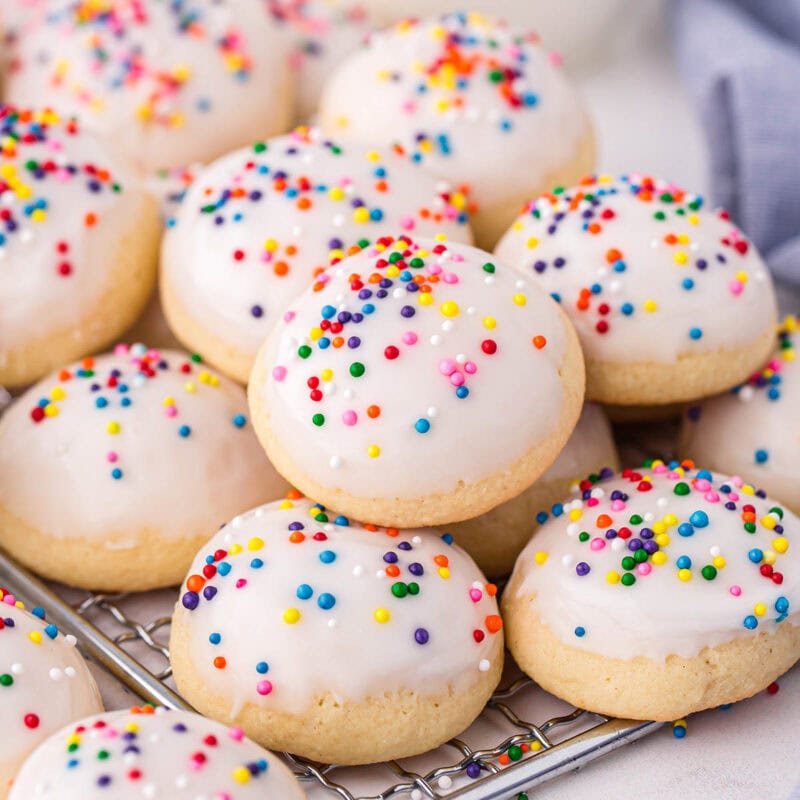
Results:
x,y
642,688
396,724
692,376
466,500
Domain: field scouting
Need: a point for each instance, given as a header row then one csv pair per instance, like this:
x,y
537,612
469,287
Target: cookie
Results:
x,y
659,592
474,101
496,538
78,244
44,684
754,430
339,642
258,226
671,301
160,81
321,33
146,752
115,470
420,384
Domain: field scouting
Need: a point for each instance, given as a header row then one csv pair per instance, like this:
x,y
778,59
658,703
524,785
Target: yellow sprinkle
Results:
x,y
35,637
190,387
381,615
768,521
489,322
520,299
449,309
684,574
235,549
255,543
683,238
425,298
663,540
131,727
605,178
760,609
670,520
73,738
532,242
241,775
182,72
659,527
719,562
650,305
770,556
741,277
38,215
540,557
680,257
780,544
693,219
575,514
315,334
204,376
51,411
747,489
144,112
612,577
659,558
291,616
169,401
270,245
373,451
444,572
361,214
679,723
392,271
113,428
326,374
286,504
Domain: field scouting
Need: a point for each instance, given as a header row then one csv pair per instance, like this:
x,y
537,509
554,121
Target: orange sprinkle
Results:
x,y
595,228
373,412
371,528
613,255
90,219
441,561
194,583
87,363
494,623
604,521
281,268
392,532
304,203
294,494
220,662
64,375
392,570
491,589
295,537
539,342
338,341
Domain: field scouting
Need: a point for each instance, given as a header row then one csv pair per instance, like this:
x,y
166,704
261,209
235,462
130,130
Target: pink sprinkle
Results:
x,y
447,366
112,456
435,269
236,733
456,257
737,481
409,106
660,469
241,583
711,496
736,287
733,496
350,417
457,379
556,59
279,373
10,600
617,505
451,277
409,337
263,687
597,543
470,368
702,485
171,411
407,223
289,315
592,502
475,594
735,590
644,569
120,350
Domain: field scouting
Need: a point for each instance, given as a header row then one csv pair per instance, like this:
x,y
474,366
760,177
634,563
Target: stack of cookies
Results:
x,y
372,413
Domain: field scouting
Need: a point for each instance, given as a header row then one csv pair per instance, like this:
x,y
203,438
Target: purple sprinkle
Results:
x,y
416,569
390,558
209,592
421,636
190,600
582,568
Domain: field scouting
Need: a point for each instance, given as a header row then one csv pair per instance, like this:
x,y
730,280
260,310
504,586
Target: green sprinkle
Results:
x,y
681,488
357,369
318,420
709,572
628,579
304,351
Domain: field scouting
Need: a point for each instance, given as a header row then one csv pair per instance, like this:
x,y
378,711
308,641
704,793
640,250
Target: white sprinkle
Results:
x,y
358,570
520,284
471,310
662,502
445,782
416,540
483,665
746,393
380,574
332,623
489,280
335,462
461,358
448,325
17,669
649,516
618,544
432,411
715,550
181,781
69,672
347,393
567,560
436,340
398,293
573,529
70,640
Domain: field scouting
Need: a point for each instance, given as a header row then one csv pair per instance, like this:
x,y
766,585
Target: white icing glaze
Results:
x,y
61,221
259,224
609,258
160,80
321,34
590,447
44,685
439,352
754,430
57,475
660,614
166,755
427,85
353,635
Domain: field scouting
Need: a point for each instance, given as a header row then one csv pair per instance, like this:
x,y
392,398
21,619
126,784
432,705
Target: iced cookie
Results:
x,y
321,33
153,753
754,430
78,244
115,470
659,592
474,101
258,226
44,684
420,383
165,83
671,300
496,538
335,641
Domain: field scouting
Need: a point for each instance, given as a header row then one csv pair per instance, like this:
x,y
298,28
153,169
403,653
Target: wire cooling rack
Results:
x,y
508,756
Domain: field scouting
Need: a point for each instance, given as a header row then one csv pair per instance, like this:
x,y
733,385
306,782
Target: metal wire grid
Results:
x,y
137,655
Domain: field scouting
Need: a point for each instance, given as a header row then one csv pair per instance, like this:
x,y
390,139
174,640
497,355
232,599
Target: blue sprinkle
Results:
x,y
327,312
627,309
541,517
240,420
688,283
51,631
781,605
695,333
304,591
256,563
224,568
684,562
326,601
422,425
750,622
761,456
116,473
580,631
699,519
215,638
447,538
262,668
100,402
685,529
327,556
462,392
38,612
184,430
756,555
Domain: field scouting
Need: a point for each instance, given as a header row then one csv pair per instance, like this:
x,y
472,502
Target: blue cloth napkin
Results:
x,y
741,61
